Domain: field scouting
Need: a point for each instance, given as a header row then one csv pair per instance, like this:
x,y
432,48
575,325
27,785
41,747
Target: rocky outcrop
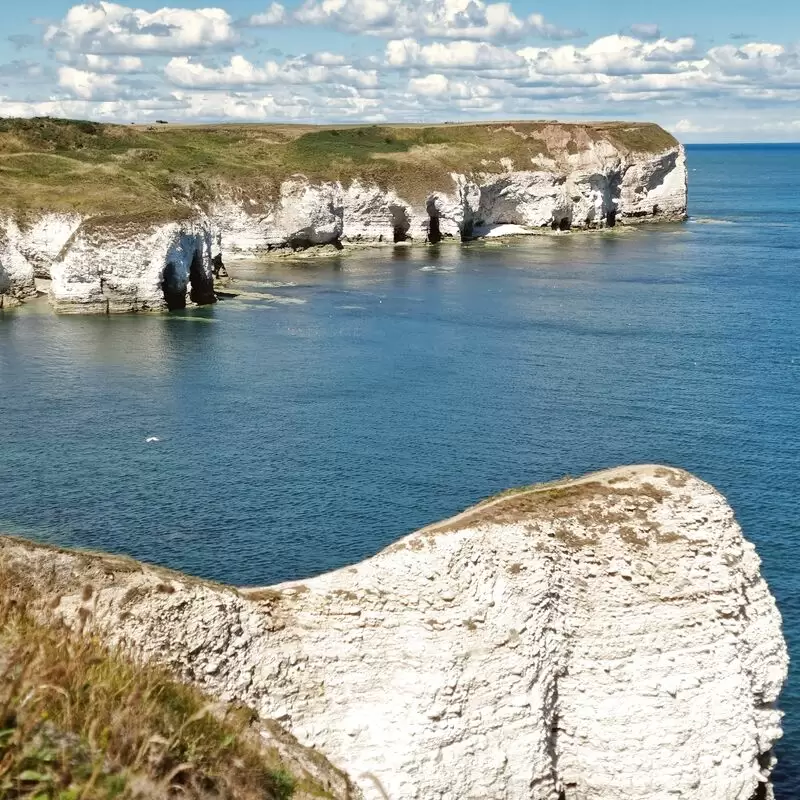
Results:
x,y
102,265
609,638
16,273
110,266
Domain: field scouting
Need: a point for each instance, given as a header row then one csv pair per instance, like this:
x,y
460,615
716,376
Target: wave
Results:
x,y
713,221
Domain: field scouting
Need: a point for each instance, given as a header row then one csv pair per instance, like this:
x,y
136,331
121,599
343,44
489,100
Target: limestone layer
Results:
x,y
609,638
101,264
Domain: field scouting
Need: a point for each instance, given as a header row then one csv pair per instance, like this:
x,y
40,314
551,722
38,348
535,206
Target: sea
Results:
x,y
339,403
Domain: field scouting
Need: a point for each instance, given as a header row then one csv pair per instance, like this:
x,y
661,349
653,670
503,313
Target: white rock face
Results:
x,y
595,188
306,214
609,638
655,188
239,223
16,272
529,199
373,215
28,248
127,266
43,239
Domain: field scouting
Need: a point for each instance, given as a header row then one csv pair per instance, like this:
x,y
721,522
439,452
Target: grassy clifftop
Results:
x,y
162,169
79,722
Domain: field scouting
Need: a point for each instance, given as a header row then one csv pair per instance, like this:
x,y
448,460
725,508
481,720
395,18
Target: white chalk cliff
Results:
x,y
609,638
595,188
107,265
133,266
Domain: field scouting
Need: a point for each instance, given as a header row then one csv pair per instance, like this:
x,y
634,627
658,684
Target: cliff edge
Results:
x,y
607,638
124,218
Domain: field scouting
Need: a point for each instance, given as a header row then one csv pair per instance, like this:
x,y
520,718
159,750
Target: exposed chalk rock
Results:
x,y
41,239
528,199
114,266
655,188
597,187
332,188
28,246
239,226
374,215
585,182
609,638
17,278
306,214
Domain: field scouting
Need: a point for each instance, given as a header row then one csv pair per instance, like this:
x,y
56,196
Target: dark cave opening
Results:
x,y
434,231
173,288
202,284
401,223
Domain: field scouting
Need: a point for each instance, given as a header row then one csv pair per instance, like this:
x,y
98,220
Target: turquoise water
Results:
x,y
345,402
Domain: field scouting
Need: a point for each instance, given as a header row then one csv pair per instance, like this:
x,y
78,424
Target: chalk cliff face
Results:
x,y
111,267
114,229
596,188
609,638
28,250
103,265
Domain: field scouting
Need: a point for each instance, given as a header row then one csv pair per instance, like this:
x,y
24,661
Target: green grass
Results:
x,y
160,171
78,722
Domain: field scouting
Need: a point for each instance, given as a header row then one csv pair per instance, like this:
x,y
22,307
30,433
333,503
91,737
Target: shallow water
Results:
x,y
395,388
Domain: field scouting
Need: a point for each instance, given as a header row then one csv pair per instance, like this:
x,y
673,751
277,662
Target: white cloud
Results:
x,y
791,127
199,106
182,71
431,85
438,85
274,15
755,59
645,30
327,59
121,65
611,55
446,19
443,59
88,85
685,126
109,28
451,55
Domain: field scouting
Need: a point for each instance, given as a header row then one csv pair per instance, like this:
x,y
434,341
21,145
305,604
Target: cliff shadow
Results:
x,y
173,287
201,281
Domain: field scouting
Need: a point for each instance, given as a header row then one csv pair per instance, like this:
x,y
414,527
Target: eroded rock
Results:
x,y
609,638
114,266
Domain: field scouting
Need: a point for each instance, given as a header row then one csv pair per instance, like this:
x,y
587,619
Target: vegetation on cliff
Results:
x,y
162,170
77,721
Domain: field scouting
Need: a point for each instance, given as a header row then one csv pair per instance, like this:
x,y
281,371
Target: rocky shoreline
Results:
x,y
99,264
594,639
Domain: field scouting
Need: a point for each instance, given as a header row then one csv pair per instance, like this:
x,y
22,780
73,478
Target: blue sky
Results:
x,y
709,70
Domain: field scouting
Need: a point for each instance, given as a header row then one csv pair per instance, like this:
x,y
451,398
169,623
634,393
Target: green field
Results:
x,y
161,171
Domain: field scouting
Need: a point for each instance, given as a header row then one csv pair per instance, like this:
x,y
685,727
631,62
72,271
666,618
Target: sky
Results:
x,y
707,70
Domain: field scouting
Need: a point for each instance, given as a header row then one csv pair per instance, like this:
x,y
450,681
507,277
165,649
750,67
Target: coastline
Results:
x,y
304,192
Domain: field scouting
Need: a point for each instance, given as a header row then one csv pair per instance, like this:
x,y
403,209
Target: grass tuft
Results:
x,y
78,722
